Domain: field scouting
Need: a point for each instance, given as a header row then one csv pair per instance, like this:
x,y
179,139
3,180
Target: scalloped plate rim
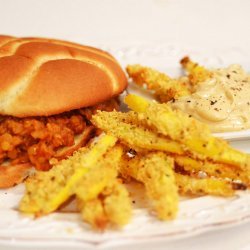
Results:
x,y
193,230
82,244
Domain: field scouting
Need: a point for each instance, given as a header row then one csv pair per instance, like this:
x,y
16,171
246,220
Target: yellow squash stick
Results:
x,y
113,207
115,123
102,199
155,171
194,135
164,87
219,170
48,190
100,175
196,73
192,186
92,212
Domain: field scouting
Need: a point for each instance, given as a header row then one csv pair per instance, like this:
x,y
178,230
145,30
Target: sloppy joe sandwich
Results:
x,y
49,90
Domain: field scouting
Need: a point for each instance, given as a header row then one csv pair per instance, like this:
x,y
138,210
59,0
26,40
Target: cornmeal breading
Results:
x,y
195,135
155,171
192,186
196,73
164,87
48,190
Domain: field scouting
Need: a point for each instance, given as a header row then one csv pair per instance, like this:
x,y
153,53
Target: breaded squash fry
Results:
x,y
165,88
212,169
112,207
165,120
93,213
46,191
133,135
192,186
195,135
196,73
100,175
155,171
102,199
117,204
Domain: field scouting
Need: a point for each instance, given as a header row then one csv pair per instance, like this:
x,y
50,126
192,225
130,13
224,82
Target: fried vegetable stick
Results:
x,y
192,186
93,213
134,136
113,206
102,199
100,175
195,135
165,88
117,204
218,170
155,171
46,191
196,73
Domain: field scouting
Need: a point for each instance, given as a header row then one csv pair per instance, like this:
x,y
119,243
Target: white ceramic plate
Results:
x,y
64,230
235,136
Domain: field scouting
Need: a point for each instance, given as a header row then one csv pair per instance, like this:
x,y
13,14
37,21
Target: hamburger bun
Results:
x,y
49,90
43,77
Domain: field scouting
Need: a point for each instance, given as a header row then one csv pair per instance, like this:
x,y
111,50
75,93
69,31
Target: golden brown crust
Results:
x,y
45,76
5,39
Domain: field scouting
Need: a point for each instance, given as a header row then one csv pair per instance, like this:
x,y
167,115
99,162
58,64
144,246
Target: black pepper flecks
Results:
x,y
212,102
